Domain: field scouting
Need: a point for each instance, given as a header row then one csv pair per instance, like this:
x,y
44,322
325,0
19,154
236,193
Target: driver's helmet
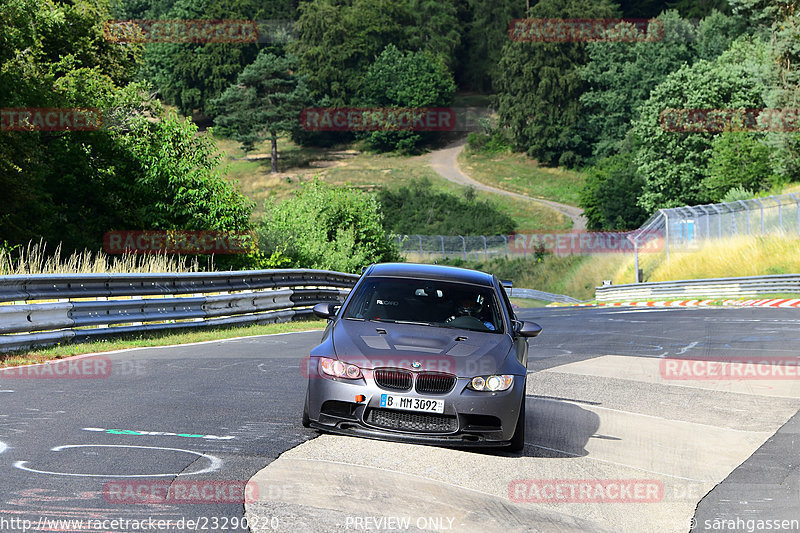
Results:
x,y
469,306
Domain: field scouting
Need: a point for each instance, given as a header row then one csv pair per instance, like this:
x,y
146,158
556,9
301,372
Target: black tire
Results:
x,y
306,420
518,440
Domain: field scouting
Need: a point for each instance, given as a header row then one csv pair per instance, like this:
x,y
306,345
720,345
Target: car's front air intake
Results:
x,y
431,383
399,380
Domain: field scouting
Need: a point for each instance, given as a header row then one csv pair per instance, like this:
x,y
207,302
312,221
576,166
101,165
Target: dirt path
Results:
x,y
445,162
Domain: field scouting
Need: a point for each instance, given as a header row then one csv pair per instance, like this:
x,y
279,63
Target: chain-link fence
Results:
x,y
678,228
687,227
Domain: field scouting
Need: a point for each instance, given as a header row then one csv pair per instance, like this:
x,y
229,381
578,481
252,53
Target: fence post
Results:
x,y
780,212
797,202
666,226
420,246
464,247
747,211
505,239
762,214
719,220
485,250
441,237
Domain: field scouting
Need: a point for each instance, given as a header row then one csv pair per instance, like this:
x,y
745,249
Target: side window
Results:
x,y
507,303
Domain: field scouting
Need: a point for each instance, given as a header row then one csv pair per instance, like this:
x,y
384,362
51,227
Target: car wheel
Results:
x,y
518,440
306,420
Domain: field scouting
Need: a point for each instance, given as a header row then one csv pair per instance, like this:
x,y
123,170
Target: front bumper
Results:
x,y
470,418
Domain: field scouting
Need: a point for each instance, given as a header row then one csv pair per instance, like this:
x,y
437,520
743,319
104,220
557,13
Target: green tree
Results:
x,y
410,79
738,159
178,181
326,227
621,76
539,87
191,75
610,194
486,32
337,40
265,100
674,164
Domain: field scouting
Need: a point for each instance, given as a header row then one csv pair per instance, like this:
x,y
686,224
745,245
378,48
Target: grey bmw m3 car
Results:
x,y
422,353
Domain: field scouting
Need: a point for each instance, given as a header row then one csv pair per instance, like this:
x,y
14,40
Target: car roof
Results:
x,y
434,272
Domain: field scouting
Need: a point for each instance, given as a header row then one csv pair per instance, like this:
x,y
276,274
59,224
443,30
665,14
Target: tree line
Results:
x,y
589,105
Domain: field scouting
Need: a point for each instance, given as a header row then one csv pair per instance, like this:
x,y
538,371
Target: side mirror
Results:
x,y
326,309
529,329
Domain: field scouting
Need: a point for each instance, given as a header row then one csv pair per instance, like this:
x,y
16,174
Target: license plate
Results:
x,y
408,403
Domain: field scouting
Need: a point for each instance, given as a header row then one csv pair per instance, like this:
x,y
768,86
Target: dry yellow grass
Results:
x,y
725,258
35,259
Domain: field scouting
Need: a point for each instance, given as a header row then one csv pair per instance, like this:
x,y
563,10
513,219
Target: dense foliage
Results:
x,y
327,227
593,105
419,208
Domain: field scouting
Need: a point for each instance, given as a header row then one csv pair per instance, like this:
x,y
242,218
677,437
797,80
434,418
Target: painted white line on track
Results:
x,y
688,347
123,350
216,462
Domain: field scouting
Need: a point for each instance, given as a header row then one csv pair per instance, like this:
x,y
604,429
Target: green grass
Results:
x,y
365,171
154,339
521,174
529,303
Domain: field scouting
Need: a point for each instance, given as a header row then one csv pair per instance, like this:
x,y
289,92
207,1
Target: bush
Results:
x,y
738,160
610,194
325,227
419,209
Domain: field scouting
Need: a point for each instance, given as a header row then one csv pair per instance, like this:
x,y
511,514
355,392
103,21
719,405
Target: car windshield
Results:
x,y
426,302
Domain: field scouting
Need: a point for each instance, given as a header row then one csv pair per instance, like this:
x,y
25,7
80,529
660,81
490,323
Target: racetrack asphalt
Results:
x,y
224,412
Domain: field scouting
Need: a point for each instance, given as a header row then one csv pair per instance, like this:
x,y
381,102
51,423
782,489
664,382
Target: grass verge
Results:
x,y
40,355
521,174
364,171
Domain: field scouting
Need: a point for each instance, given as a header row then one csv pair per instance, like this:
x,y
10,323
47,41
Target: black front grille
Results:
x,y
435,383
393,379
422,422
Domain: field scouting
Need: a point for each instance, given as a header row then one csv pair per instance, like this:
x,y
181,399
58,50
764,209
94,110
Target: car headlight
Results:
x,y
491,383
339,369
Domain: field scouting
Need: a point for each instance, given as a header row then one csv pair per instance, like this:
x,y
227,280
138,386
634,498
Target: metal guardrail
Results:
x,y
533,294
718,287
90,306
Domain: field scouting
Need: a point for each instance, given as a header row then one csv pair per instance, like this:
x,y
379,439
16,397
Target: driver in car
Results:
x,y
472,306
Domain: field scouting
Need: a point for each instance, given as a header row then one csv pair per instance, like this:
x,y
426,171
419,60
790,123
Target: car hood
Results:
x,y
456,351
